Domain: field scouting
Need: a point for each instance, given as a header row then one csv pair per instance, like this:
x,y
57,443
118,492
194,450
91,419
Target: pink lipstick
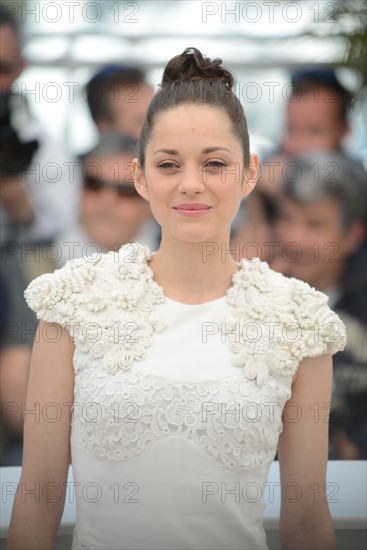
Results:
x,y
192,209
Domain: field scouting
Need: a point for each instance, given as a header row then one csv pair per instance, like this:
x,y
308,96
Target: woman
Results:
x,y
185,365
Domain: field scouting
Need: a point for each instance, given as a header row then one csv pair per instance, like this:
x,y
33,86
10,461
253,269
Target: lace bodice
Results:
x,y
116,417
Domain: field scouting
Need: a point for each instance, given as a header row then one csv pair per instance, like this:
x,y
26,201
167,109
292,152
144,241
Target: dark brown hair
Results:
x,y
191,78
111,77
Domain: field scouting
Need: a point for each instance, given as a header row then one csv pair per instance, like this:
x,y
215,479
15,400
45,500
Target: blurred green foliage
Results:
x,y
346,22
352,20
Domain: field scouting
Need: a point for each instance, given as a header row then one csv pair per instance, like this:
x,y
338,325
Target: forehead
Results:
x,y
112,166
320,105
324,206
187,124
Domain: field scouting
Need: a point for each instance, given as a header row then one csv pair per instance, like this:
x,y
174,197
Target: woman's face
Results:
x,y
194,176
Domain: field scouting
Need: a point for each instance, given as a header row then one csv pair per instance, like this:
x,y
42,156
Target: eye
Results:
x,y
215,164
167,165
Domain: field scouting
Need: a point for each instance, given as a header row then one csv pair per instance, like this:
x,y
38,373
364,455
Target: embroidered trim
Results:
x,y
277,321
108,305
235,423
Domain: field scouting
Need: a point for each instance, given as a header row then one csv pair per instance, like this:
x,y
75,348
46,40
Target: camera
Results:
x,y
15,153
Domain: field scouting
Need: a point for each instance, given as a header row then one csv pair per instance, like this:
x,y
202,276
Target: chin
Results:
x,y
195,237
198,234
106,241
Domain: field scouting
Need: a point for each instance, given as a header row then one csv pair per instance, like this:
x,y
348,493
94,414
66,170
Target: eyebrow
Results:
x,y
204,151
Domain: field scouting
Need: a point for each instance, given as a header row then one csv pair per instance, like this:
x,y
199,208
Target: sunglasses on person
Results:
x,y
123,190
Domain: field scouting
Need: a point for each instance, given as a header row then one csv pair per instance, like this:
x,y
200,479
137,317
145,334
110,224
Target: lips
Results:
x,y
192,210
189,206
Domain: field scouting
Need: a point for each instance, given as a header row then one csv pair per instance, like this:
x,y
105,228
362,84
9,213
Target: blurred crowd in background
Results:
x,y
306,217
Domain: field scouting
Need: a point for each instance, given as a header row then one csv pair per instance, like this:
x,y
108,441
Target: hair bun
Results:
x,y
192,65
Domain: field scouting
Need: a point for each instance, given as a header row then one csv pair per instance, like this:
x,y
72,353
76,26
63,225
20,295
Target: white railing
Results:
x,y
346,488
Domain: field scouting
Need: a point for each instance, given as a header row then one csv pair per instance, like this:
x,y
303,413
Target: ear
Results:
x,y
139,180
250,175
354,237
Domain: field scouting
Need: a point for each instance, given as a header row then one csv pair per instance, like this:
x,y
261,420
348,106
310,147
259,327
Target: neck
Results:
x,y
187,271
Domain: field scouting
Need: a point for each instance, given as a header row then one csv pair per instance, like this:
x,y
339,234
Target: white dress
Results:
x,y
177,408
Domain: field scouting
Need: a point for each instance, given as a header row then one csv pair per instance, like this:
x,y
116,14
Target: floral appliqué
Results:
x,y
107,304
277,321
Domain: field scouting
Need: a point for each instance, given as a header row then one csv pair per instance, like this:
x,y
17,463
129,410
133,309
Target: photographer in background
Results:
x,y
39,181
118,97
317,113
321,216
39,196
112,213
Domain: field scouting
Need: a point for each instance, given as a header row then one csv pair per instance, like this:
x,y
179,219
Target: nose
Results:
x,y
107,195
192,181
301,237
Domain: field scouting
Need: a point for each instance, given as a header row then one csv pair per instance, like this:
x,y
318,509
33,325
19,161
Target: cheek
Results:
x,y
88,203
156,209
156,196
282,230
134,211
332,242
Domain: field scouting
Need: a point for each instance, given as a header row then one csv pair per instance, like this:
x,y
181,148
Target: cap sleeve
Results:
x,y
54,297
321,329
